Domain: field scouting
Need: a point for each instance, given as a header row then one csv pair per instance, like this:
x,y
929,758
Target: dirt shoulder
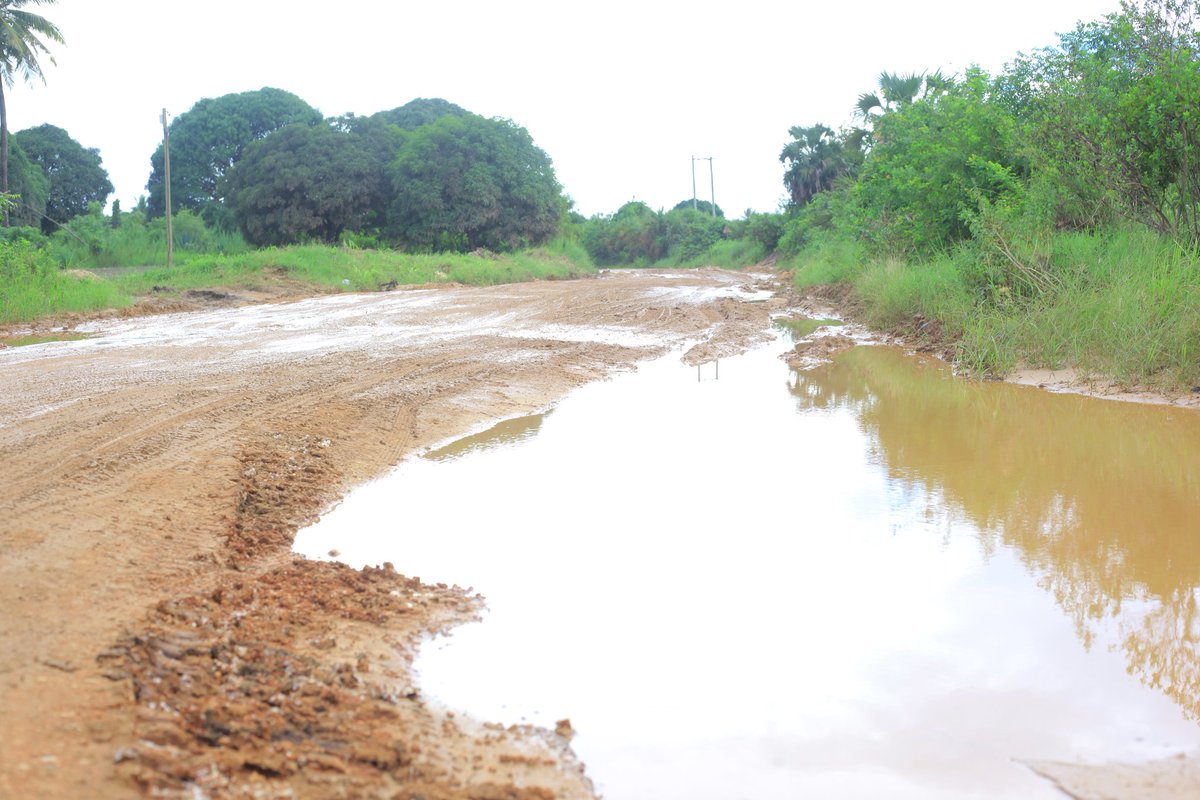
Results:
x,y
159,636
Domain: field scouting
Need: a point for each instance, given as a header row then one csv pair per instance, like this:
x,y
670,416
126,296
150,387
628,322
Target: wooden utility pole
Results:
x,y
167,179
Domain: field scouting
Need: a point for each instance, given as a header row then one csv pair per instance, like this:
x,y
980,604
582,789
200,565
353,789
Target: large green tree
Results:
x,y
421,111
211,136
464,182
305,182
22,36
75,173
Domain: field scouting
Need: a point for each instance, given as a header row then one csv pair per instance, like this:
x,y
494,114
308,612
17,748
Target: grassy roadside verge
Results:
x,y
1120,303
33,286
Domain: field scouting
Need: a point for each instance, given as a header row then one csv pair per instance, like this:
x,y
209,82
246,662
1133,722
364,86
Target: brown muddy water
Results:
x,y
868,579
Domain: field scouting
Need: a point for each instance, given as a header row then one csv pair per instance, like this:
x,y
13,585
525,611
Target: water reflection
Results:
x,y
508,432
1100,499
737,590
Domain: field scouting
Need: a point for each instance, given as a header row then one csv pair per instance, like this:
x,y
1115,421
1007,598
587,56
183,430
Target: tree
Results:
x,y
635,235
421,111
21,44
1115,116
304,182
703,206
899,91
934,161
816,158
75,173
211,136
30,185
465,182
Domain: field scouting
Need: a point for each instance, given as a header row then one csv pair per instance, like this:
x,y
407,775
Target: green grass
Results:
x,y
827,261
1125,304
727,254
31,286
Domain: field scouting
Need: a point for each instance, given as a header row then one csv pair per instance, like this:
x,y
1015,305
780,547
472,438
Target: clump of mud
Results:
x,y
250,689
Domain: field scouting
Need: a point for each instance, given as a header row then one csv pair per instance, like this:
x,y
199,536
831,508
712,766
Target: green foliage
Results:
x,y
91,241
23,37
1114,111
465,182
764,229
32,285
76,175
828,258
691,234
210,138
30,184
817,158
635,235
421,111
24,233
342,269
932,160
703,206
897,92
304,183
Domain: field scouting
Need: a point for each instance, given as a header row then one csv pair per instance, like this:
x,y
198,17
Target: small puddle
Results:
x,y
799,327
867,579
507,432
42,338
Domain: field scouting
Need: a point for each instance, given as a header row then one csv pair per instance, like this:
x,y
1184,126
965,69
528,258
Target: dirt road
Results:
x,y
158,635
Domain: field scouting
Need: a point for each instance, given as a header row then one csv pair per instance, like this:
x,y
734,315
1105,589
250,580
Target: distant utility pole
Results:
x,y
167,178
693,183
711,184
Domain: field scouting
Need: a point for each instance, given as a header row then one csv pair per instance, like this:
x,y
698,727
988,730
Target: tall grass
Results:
x,y
1125,304
91,241
32,285
726,253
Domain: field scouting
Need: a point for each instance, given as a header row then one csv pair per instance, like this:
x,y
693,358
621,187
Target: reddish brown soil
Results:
x,y
160,639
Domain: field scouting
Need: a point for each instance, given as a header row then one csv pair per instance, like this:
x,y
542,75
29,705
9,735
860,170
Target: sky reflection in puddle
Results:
x,y
866,580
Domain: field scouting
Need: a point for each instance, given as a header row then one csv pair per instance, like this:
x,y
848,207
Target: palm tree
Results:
x,y
897,91
21,43
816,157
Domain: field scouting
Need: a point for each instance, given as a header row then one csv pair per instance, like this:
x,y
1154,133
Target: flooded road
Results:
x,y
868,579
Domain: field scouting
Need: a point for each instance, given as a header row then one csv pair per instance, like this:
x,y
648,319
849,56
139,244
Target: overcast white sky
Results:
x,y
620,94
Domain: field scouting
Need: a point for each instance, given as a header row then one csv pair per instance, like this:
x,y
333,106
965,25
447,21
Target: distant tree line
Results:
x,y
428,175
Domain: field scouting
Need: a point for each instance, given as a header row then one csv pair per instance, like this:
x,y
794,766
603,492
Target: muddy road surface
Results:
x,y
159,637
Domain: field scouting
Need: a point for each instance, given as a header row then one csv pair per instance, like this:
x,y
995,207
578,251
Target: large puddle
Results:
x,y
870,579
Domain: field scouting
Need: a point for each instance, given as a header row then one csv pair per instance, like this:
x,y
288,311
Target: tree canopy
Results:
x,y
465,182
75,173
703,206
211,136
305,182
26,180
816,158
421,111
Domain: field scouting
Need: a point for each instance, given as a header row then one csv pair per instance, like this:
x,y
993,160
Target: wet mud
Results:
x,y
160,639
